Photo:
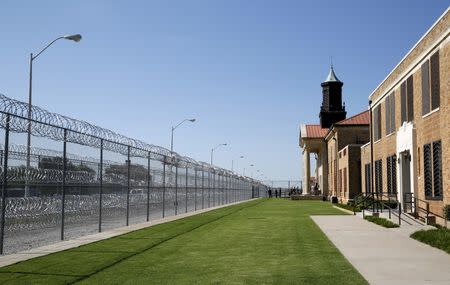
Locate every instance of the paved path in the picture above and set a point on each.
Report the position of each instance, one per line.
(67, 244)
(386, 256)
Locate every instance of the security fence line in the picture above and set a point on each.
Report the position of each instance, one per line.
(76, 193)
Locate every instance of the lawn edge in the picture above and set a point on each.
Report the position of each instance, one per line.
(11, 259)
(343, 210)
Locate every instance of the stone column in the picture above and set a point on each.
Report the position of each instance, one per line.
(307, 170)
(324, 161)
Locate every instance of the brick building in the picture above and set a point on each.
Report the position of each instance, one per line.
(334, 137)
(344, 140)
(411, 133)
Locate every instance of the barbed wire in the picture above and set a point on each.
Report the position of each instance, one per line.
(59, 127)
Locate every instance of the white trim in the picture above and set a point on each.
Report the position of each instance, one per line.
(364, 145)
(303, 131)
(445, 34)
(406, 141)
(430, 113)
(393, 132)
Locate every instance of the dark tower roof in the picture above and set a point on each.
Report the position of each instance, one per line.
(332, 109)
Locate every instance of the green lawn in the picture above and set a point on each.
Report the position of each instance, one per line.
(258, 242)
(381, 221)
(439, 238)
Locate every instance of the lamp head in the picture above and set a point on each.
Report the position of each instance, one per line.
(192, 120)
(75, 38)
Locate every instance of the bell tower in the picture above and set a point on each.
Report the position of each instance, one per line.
(332, 110)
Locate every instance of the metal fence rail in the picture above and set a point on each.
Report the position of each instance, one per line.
(66, 193)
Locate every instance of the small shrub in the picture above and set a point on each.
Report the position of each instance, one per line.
(439, 238)
(447, 212)
(381, 221)
(348, 207)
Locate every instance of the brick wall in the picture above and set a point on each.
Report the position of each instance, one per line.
(344, 135)
(428, 128)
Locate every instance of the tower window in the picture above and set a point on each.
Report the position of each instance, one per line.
(377, 123)
(367, 177)
(390, 113)
(391, 167)
(432, 170)
(378, 176)
(430, 84)
(407, 100)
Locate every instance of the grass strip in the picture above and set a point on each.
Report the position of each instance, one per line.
(347, 207)
(381, 221)
(439, 238)
(260, 242)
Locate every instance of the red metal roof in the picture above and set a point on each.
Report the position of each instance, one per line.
(315, 131)
(358, 119)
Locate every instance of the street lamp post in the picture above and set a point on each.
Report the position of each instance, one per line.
(232, 163)
(75, 38)
(214, 148)
(173, 129)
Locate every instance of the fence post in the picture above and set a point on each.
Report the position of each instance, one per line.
(217, 187)
(64, 184)
(195, 189)
(227, 187)
(214, 188)
(176, 190)
(237, 182)
(149, 184)
(100, 200)
(209, 188)
(186, 189)
(164, 188)
(128, 185)
(203, 188)
(5, 183)
(415, 206)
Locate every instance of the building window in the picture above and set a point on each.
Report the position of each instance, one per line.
(377, 123)
(432, 170)
(378, 176)
(391, 167)
(430, 84)
(407, 100)
(367, 177)
(389, 106)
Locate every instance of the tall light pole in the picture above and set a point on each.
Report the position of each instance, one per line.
(232, 162)
(214, 148)
(75, 38)
(173, 129)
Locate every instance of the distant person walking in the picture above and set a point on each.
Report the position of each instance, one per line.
(276, 193)
(270, 193)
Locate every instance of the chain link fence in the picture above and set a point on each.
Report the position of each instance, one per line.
(83, 179)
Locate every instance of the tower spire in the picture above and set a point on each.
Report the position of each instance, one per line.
(331, 75)
(332, 109)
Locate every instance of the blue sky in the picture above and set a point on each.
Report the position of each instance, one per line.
(248, 71)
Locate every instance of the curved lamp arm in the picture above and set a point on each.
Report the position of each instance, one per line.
(75, 38)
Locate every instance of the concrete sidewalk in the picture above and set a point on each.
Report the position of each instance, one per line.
(386, 256)
(67, 244)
